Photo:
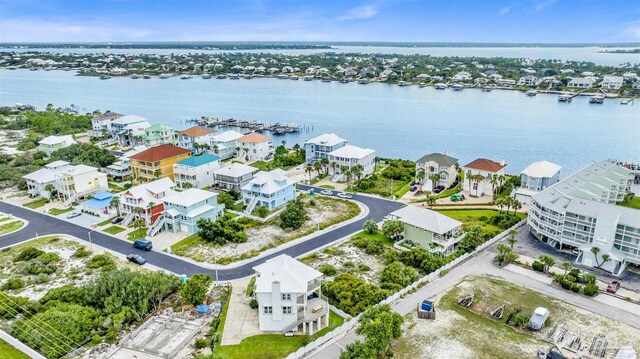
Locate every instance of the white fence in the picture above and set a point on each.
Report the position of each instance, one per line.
(20, 346)
(348, 326)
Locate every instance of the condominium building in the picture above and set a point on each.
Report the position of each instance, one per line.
(580, 212)
(157, 162)
(319, 147)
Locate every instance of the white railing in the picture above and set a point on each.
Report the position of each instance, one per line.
(349, 325)
(67, 202)
(156, 226)
(251, 205)
(128, 219)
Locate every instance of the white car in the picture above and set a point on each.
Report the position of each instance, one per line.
(73, 214)
(289, 333)
(344, 195)
(326, 192)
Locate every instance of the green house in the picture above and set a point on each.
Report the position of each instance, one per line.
(429, 229)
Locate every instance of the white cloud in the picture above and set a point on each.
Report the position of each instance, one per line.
(504, 10)
(360, 12)
(539, 5)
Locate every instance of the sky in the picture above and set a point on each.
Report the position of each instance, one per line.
(547, 21)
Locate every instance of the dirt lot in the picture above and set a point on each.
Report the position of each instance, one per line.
(460, 332)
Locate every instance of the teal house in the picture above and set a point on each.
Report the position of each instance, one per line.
(183, 210)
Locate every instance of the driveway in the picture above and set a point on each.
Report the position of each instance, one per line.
(242, 321)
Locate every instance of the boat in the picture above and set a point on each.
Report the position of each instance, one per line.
(234, 76)
(441, 86)
(457, 87)
(565, 98)
(206, 76)
(11, 68)
(146, 77)
(596, 99)
(344, 81)
(402, 83)
(282, 77)
(248, 77)
(134, 76)
(363, 81)
(486, 89)
(308, 78)
(165, 76)
(220, 77)
(105, 77)
(294, 77)
(531, 93)
(185, 77)
(326, 79)
(48, 68)
(67, 69)
(33, 69)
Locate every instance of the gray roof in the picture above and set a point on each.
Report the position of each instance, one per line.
(426, 219)
(439, 158)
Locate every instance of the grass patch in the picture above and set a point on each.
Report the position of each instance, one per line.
(10, 227)
(180, 247)
(473, 217)
(327, 186)
(115, 229)
(7, 351)
(272, 346)
(402, 191)
(37, 203)
(59, 211)
(106, 221)
(634, 203)
(378, 235)
(137, 234)
(115, 188)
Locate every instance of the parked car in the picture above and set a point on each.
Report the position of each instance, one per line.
(345, 195)
(73, 214)
(143, 244)
(456, 197)
(326, 192)
(288, 334)
(575, 251)
(438, 189)
(136, 258)
(117, 220)
(613, 286)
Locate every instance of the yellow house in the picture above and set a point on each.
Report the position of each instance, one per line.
(157, 162)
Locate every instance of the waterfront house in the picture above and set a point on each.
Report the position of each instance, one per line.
(581, 82)
(349, 156)
(483, 169)
(439, 164)
(529, 80)
(121, 169)
(195, 171)
(51, 144)
(505, 82)
(269, 189)
(157, 162)
(37, 181)
(132, 134)
(98, 205)
(158, 134)
(101, 124)
(233, 176)
(255, 147)
(535, 178)
(79, 181)
(630, 76)
(224, 144)
(195, 135)
(429, 229)
(581, 212)
(319, 147)
(289, 296)
(610, 82)
(144, 201)
(461, 76)
(120, 123)
(183, 210)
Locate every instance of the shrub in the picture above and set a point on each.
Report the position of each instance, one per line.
(28, 254)
(202, 343)
(590, 289)
(102, 261)
(48, 257)
(81, 252)
(520, 320)
(363, 267)
(576, 288)
(396, 276)
(312, 202)
(589, 279)
(221, 231)
(195, 290)
(352, 294)
(261, 211)
(328, 269)
(251, 286)
(370, 226)
(293, 216)
(13, 284)
(371, 246)
(253, 304)
(37, 267)
(537, 266)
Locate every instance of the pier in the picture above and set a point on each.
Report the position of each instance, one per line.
(626, 101)
(277, 128)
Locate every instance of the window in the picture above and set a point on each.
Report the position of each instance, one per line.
(267, 310)
(286, 310)
(286, 296)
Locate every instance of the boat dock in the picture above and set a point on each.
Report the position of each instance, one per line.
(278, 128)
(626, 101)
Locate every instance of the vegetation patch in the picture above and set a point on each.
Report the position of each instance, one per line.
(8, 227)
(37, 203)
(58, 211)
(7, 351)
(115, 229)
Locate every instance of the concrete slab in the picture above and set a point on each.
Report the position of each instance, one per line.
(242, 321)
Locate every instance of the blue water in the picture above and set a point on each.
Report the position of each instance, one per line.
(589, 54)
(396, 121)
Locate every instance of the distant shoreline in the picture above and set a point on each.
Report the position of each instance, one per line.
(621, 51)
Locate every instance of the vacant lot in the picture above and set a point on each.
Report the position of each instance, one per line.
(475, 217)
(472, 333)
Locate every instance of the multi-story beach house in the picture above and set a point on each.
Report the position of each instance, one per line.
(535, 178)
(319, 147)
(437, 164)
(233, 176)
(158, 134)
(51, 144)
(195, 135)
(145, 201)
(80, 181)
(269, 189)
(37, 181)
(183, 210)
(478, 174)
(195, 171)
(349, 156)
(429, 229)
(157, 162)
(255, 147)
(120, 123)
(224, 144)
(121, 169)
(461, 76)
(98, 205)
(610, 82)
(580, 212)
(528, 80)
(582, 82)
(101, 124)
(290, 297)
(132, 134)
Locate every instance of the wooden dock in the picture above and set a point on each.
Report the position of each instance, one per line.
(277, 128)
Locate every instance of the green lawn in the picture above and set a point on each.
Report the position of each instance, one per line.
(634, 203)
(403, 190)
(471, 217)
(137, 234)
(274, 346)
(7, 351)
(58, 211)
(106, 221)
(327, 186)
(36, 204)
(115, 230)
(10, 227)
(115, 188)
(377, 235)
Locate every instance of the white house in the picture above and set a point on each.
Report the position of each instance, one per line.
(195, 135)
(121, 169)
(224, 144)
(582, 82)
(461, 76)
(255, 147)
(101, 124)
(53, 143)
(351, 156)
(528, 81)
(629, 76)
(505, 82)
(535, 178)
(485, 169)
(289, 296)
(610, 82)
(132, 134)
(120, 123)
(440, 164)
(38, 180)
(147, 196)
(233, 176)
(319, 147)
(196, 171)
(270, 189)
(183, 210)
(80, 181)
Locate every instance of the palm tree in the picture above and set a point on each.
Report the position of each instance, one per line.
(430, 200)
(216, 149)
(115, 201)
(494, 183)
(246, 153)
(567, 267)
(547, 261)
(500, 202)
(508, 202)
(477, 178)
(51, 189)
(333, 166)
(237, 151)
(512, 240)
(349, 174)
(309, 170)
(434, 178)
(317, 167)
(196, 147)
(357, 170)
(296, 148)
(420, 175)
(344, 169)
(325, 163)
(516, 205)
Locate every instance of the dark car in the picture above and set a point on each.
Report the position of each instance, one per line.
(117, 220)
(438, 189)
(137, 259)
(613, 286)
(143, 244)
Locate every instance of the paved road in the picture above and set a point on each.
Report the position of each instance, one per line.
(43, 225)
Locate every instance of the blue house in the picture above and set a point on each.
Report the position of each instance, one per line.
(269, 189)
(319, 147)
(98, 205)
(183, 210)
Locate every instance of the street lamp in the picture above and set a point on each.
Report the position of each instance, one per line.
(90, 241)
